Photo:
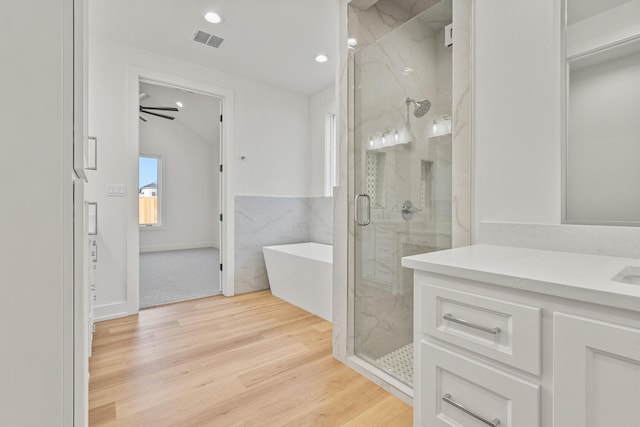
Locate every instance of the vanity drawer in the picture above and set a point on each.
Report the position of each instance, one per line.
(502, 330)
(461, 392)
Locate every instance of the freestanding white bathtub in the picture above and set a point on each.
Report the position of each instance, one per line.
(301, 274)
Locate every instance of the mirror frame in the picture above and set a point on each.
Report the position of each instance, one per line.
(565, 89)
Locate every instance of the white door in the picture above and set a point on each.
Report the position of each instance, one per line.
(596, 373)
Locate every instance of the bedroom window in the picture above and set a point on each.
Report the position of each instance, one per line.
(149, 191)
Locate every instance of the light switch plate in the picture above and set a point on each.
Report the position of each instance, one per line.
(116, 190)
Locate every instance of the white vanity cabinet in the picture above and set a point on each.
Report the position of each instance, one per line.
(456, 332)
(596, 368)
(514, 337)
(463, 391)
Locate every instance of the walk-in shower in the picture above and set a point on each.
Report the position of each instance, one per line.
(402, 191)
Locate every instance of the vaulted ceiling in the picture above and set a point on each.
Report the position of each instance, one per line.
(199, 112)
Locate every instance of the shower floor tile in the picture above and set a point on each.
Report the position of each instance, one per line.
(399, 363)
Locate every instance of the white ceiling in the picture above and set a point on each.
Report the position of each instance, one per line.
(200, 113)
(272, 41)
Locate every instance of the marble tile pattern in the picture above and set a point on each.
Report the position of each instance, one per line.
(266, 221)
(371, 23)
(321, 219)
(368, 26)
(583, 239)
(410, 62)
(461, 132)
(384, 321)
(342, 256)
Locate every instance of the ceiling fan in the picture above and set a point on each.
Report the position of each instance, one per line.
(150, 110)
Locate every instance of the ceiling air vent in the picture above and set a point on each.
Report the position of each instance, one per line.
(208, 39)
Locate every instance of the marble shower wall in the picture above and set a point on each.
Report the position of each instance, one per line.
(369, 21)
(321, 222)
(370, 24)
(461, 125)
(342, 205)
(266, 221)
(410, 62)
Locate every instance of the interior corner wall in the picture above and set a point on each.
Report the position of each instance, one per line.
(321, 104)
(517, 112)
(189, 187)
(271, 129)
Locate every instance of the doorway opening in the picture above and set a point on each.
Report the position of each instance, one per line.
(179, 194)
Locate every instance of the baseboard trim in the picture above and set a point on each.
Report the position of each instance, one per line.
(110, 311)
(178, 247)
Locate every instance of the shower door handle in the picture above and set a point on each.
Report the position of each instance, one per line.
(356, 209)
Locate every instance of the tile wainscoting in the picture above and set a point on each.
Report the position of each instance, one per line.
(265, 221)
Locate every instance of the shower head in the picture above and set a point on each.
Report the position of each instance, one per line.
(421, 107)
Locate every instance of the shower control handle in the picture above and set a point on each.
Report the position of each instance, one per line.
(407, 210)
(356, 210)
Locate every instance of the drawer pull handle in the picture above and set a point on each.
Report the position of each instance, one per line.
(450, 318)
(493, 423)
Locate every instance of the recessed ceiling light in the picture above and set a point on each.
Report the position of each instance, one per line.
(352, 42)
(179, 104)
(213, 17)
(321, 57)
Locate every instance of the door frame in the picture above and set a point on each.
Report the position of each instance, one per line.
(226, 96)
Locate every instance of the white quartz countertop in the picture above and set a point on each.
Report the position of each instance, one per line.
(576, 276)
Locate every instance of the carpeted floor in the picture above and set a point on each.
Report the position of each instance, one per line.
(173, 276)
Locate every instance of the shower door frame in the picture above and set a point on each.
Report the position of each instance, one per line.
(365, 368)
(462, 123)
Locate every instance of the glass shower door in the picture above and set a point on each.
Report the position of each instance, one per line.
(402, 166)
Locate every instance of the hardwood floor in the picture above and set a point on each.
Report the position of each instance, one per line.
(250, 360)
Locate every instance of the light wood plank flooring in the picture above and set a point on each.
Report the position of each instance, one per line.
(250, 360)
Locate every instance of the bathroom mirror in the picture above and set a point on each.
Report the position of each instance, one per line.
(601, 168)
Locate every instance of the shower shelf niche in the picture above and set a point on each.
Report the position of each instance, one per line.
(389, 138)
(440, 126)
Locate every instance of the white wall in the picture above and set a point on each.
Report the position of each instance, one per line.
(321, 104)
(35, 225)
(271, 129)
(517, 112)
(518, 127)
(189, 189)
